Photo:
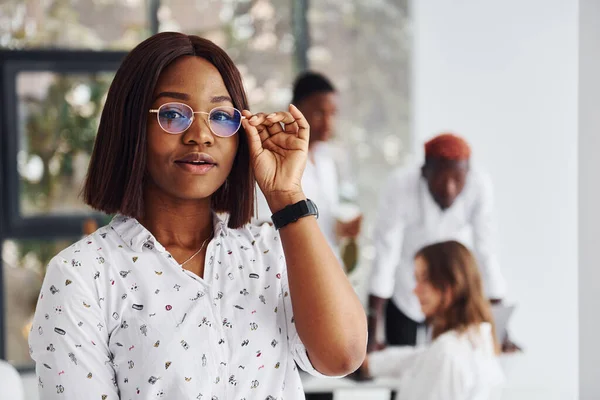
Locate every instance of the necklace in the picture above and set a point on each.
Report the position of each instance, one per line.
(195, 254)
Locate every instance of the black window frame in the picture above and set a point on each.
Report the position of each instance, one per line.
(15, 225)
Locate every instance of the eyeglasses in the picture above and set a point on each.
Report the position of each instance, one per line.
(176, 118)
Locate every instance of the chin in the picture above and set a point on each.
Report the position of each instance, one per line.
(188, 195)
(446, 203)
(195, 195)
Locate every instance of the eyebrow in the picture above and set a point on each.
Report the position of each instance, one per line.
(186, 97)
(221, 99)
(174, 95)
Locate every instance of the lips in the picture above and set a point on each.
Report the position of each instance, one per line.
(196, 159)
(196, 163)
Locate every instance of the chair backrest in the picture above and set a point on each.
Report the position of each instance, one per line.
(502, 314)
(10, 382)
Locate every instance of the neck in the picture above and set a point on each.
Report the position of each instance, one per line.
(312, 144)
(176, 222)
(311, 152)
(438, 323)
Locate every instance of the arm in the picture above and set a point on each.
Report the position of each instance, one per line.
(376, 323)
(328, 315)
(70, 351)
(387, 237)
(393, 362)
(483, 223)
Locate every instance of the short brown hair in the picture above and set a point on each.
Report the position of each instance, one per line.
(450, 265)
(117, 168)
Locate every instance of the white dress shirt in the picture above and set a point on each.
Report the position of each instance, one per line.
(119, 318)
(320, 184)
(456, 366)
(409, 219)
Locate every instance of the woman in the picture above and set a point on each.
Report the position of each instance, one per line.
(169, 300)
(461, 362)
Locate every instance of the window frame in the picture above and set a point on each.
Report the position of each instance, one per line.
(15, 225)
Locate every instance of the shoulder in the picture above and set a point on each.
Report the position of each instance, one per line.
(105, 240)
(262, 238)
(449, 351)
(448, 343)
(456, 347)
(86, 255)
(404, 179)
(480, 181)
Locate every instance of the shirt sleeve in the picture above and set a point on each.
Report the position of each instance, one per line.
(387, 236)
(483, 222)
(393, 361)
(69, 339)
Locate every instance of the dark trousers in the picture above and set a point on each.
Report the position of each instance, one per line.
(400, 330)
(319, 396)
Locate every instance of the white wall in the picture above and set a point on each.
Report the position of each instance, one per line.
(504, 75)
(589, 199)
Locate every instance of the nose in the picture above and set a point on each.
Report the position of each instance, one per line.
(451, 188)
(199, 132)
(328, 123)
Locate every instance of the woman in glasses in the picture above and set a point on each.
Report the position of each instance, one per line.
(461, 362)
(179, 297)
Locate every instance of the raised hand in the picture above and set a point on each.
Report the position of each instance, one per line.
(278, 145)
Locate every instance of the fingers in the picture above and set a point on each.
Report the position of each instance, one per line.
(350, 228)
(285, 118)
(253, 137)
(303, 127)
(293, 122)
(258, 121)
(265, 126)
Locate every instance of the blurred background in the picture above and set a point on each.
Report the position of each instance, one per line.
(505, 75)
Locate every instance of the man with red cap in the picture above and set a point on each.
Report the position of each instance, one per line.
(445, 199)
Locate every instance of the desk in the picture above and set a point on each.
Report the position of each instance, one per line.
(382, 389)
(347, 389)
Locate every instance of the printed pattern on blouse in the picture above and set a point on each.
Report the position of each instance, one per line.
(119, 318)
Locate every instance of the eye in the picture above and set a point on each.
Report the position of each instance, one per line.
(221, 116)
(171, 114)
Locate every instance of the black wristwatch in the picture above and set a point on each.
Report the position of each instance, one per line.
(294, 212)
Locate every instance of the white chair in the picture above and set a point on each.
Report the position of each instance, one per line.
(10, 382)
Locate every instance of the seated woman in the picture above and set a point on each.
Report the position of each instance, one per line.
(461, 362)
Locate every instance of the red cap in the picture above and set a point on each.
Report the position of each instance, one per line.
(448, 146)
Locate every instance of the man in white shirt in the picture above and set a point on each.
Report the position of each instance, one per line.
(316, 97)
(445, 199)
